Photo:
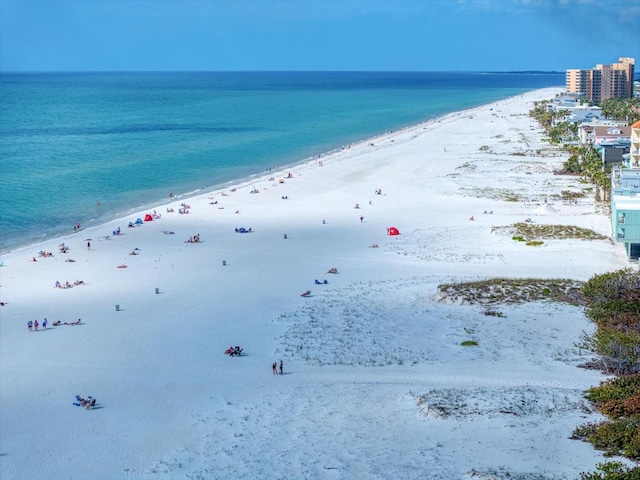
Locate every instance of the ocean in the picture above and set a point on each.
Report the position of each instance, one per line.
(89, 147)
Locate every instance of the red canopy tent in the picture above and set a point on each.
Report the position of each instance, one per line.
(148, 217)
(393, 231)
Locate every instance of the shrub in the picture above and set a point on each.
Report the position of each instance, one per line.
(620, 285)
(617, 397)
(614, 389)
(570, 195)
(469, 343)
(619, 351)
(613, 303)
(621, 408)
(613, 471)
(617, 437)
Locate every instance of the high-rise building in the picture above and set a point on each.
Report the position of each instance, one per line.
(603, 81)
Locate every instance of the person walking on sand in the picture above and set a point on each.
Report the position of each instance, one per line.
(88, 245)
(30, 325)
(35, 325)
(44, 324)
(361, 218)
(274, 367)
(281, 368)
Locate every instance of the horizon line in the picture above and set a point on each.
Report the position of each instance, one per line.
(2, 72)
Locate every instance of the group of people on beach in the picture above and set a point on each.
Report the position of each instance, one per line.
(274, 368)
(87, 403)
(233, 351)
(34, 325)
(68, 285)
(194, 239)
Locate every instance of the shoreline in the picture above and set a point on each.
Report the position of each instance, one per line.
(59, 234)
(376, 383)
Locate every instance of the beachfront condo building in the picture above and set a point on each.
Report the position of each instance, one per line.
(603, 81)
(634, 151)
(625, 198)
(625, 210)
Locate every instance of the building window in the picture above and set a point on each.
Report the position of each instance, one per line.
(621, 233)
(621, 218)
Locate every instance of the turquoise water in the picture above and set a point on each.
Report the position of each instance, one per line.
(127, 139)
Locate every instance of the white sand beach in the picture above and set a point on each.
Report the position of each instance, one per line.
(376, 384)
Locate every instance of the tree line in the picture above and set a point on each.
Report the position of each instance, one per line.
(584, 160)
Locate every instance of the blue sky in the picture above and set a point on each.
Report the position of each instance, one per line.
(402, 35)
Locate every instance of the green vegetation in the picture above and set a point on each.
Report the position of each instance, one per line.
(617, 397)
(469, 343)
(512, 290)
(621, 109)
(532, 234)
(613, 471)
(569, 195)
(613, 303)
(535, 231)
(616, 437)
(545, 117)
(534, 243)
(494, 193)
(584, 160)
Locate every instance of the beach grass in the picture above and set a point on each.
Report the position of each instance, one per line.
(535, 231)
(511, 291)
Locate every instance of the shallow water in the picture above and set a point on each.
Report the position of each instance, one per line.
(88, 147)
